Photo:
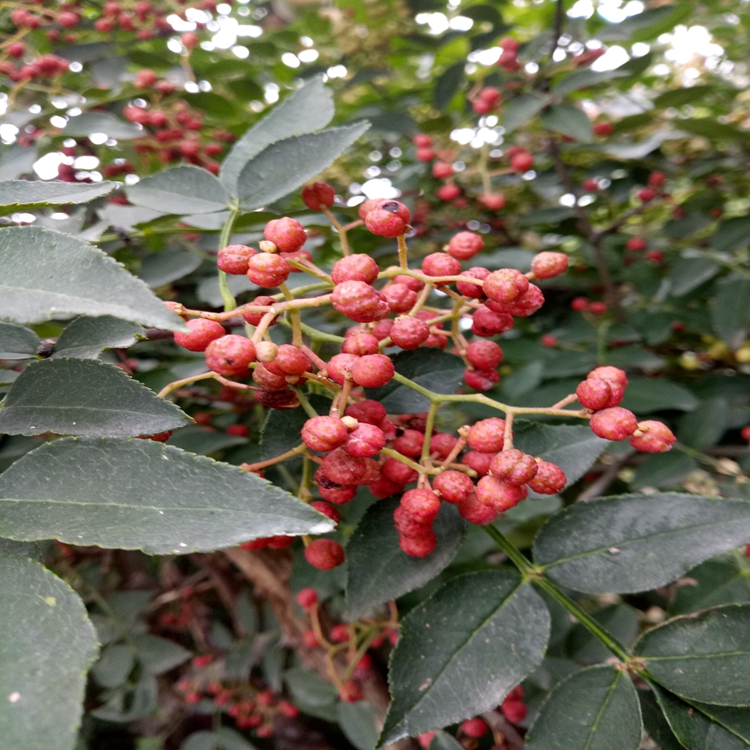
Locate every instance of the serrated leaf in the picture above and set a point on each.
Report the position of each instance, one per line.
(283, 121)
(432, 368)
(595, 709)
(100, 122)
(182, 190)
(447, 85)
(638, 542)
(644, 396)
(446, 668)
(568, 120)
(730, 313)
(84, 397)
(285, 165)
(703, 657)
(46, 645)
(24, 194)
(139, 494)
(158, 655)
(522, 108)
(44, 274)
(17, 342)
(87, 338)
(377, 569)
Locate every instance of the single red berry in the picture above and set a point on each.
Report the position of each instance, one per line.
(487, 435)
(365, 441)
(647, 194)
(318, 195)
(350, 692)
(281, 541)
(441, 170)
(449, 192)
(159, 437)
(268, 270)
(596, 393)
(367, 411)
(548, 265)
(590, 185)
(607, 372)
(359, 302)
(505, 285)
(614, 424)
(603, 128)
(440, 264)
(424, 154)
(475, 512)
(338, 495)
(469, 289)
(340, 367)
(67, 20)
(514, 711)
(579, 304)
(287, 234)
(549, 341)
(399, 472)
(498, 494)
(409, 333)
(384, 487)
(340, 634)
(636, 244)
(652, 437)
(326, 510)
(291, 360)
(400, 298)
(343, 468)
(745, 433)
(189, 40)
(324, 433)
(524, 305)
(418, 546)
(478, 461)
(307, 598)
(513, 466)
(202, 333)
(366, 206)
(267, 380)
(493, 201)
(409, 443)
(237, 430)
(358, 267)
(288, 709)
(360, 344)
(373, 370)
(481, 380)
(655, 256)
(549, 480)
(655, 179)
(309, 639)
(422, 140)
(389, 219)
(486, 323)
(234, 259)
(484, 355)
(475, 727)
(453, 486)
(324, 554)
(522, 162)
(421, 504)
(16, 49)
(230, 355)
(416, 285)
(598, 308)
(442, 444)
(465, 245)
(407, 525)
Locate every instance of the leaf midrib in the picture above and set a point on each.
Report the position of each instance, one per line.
(599, 714)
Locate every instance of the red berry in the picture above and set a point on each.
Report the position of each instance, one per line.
(514, 711)
(324, 554)
(478, 461)
(654, 437)
(453, 486)
(318, 195)
(16, 49)
(359, 302)
(655, 179)
(324, 433)
(203, 332)
(337, 495)
(655, 255)
(373, 370)
(267, 380)
(590, 185)
(384, 487)
(409, 333)
(549, 480)
(465, 245)
(614, 424)
(189, 40)
(548, 265)
(326, 510)
(366, 206)
(360, 344)
(409, 443)
(343, 468)
(340, 367)
(421, 140)
(425, 154)
(399, 472)
(291, 360)
(598, 308)
(367, 411)
(358, 267)
(388, 219)
(486, 323)
(636, 244)
(745, 433)
(340, 634)
(365, 441)
(647, 194)
(350, 692)
(268, 270)
(442, 444)
(484, 355)
(449, 192)
(607, 372)
(481, 380)
(230, 355)
(440, 264)
(237, 430)
(255, 317)
(441, 170)
(596, 393)
(287, 234)
(475, 727)
(475, 512)
(400, 298)
(498, 494)
(603, 128)
(421, 504)
(145, 78)
(418, 546)
(549, 341)
(67, 20)
(522, 162)
(505, 285)
(234, 259)
(513, 466)
(494, 201)
(467, 288)
(306, 598)
(407, 525)
(579, 304)
(487, 435)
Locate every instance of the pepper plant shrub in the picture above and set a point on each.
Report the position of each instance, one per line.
(452, 458)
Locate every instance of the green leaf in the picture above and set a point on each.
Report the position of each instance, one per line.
(553, 215)
(647, 395)
(84, 397)
(431, 368)
(638, 542)
(139, 494)
(583, 79)
(99, 122)
(16, 160)
(17, 342)
(699, 726)
(662, 19)
(86, 338)
(521, 109)
(730, 313)
(23, 194)
(309, 689)
(709, 128)
(203, 440)
(305, 111)
(182, 190)
(655, 722)
(358, 722)
(46, 645)
(169, 265)
(281, 430)
(159, 655)
(285, 165)
(445, 741)
(711, 584)
(680, 97)
(663, 470)
(703, 657)
(568, 120)
(127, 705)
(689, 273)
(705, 426)
(44, 274)
(639, 149)
(114, 665)
(377, 569)
(446, 668)
(595, 709)
(731, 235)
(621, 620)
(448, 84)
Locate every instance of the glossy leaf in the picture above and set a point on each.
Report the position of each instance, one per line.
(285, 165)
(139, 494)
(86, 338)
(84, 397)
(182, 190)
(377, 569)
(595, 709)
(26, 195)
(45, 274)
(730, 313)
(447, 668)
(17, 342)
(283, 121)
(46, 645)
(568, 120)
(703, 657)
(638, 542)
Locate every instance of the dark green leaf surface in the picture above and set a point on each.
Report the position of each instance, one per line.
(732, 234)
(17, 342)
(644, 396)
(84, 397)
(520, 109)
(281, 430)
(711, 584)
(655, 723)
(568, 120)
(448, 84)
(45, 274)
(46, 645)
(139, 494)
(583, 79)
(595, 709)
(114, 665)
(359, 723)
(703, 657)
(705, 426)
(730, 313)
(445, 741)
(462, 650)
(158, 655)
(621, 620)
(18, 194)
(284, 121)
(86, 338)
(689, 273)
(638, 542)
(285, 165)
(377, 569)
(170, 264)
(182, 190)
(100, 122)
